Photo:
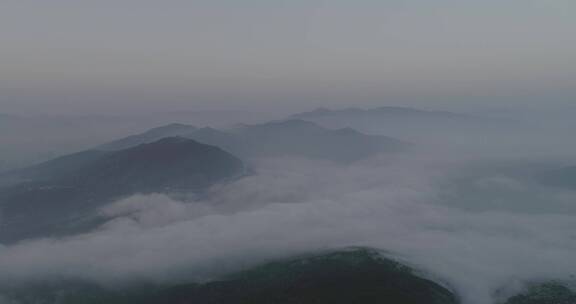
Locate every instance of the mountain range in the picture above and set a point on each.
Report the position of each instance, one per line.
(61, 196)
(380, 112)
(278, 138)
(414, 125)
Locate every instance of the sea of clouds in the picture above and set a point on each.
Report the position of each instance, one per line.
(482, 234)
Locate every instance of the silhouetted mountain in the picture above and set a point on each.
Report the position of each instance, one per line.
(7, 117)
(56, 193)
(284, 138)
(414, 125)
(58, 167)
(348, 276)
(379, 113)
(545, 293)
(302, 138)
(149, 136)
(564, 177)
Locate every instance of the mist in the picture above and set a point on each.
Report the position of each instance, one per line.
(543, 131)
(182, 142)
(481, 235)
(35, 137)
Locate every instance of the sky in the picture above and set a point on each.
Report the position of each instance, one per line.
(124, 56)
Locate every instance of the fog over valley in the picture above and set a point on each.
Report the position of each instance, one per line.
(181, 204)
(287, 152)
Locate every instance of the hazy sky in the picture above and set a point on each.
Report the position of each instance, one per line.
(109, 56)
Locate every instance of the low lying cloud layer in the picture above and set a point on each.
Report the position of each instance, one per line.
(413, 207)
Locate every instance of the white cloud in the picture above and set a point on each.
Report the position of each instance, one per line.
(295, 206)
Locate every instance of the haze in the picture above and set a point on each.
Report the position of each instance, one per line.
(130, 56)
(399, 151)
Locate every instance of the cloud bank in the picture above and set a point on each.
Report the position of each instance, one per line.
(398, 204)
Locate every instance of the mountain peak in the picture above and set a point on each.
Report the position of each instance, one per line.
(288, 124)
(171, 129)
(384, 110)
(347, 131)
(64, 190)
(173, 140)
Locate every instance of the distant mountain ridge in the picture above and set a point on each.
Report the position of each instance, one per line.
(293, 137)
(426, 127)
(4, 116)
(151, 135)
(379, 112)
(169, 159)
(564, 177)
